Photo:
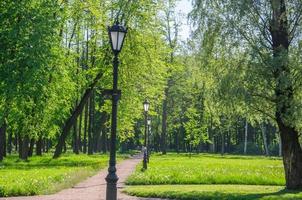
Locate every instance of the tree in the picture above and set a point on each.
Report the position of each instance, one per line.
(268, 34)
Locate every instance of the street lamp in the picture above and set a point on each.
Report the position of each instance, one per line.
(146, 109)
(117, 35)
(146, 105)
(148, 139)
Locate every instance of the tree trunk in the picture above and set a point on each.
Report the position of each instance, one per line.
(229, 140)
(95, 136)
(102, 132)
(213, 146)
(222, 143)
(211, 136)
(39, 147)
(164, 126)
(25, 148)
(85, 127)
(104, 141)
(2, 140)
(45, 146)
(75, 138)
(9, 142)
(176, 140)
(20, 142)
(292, 156)
(284, 92)
(99, 142)
(90, 125)
(280, 144)
(264, 137)
(31, 148)
(76, 112)
(245, 136)
(16, 140)
(80, 133)
(4, 146)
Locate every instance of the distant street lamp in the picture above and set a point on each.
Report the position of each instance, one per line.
(117, 35)
(146, 109)
(148, 139)
(149, 122)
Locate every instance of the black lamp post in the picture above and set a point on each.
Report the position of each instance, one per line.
(146, 108)
(148, 139)
(117, 35)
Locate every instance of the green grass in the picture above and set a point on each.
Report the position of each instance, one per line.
(214, 192)
(209, 169)
(207, 176)
(44, 175)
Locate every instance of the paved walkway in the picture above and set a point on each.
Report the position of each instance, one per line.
(94, 188)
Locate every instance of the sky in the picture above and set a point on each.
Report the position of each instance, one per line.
(184, 6)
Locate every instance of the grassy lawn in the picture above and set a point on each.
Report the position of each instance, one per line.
(207, 176)
(214, 192)
(43, 175)
(210, 169)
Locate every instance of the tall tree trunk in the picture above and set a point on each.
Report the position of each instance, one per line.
(211, 136)
(284, 92)
(65, 147)
(45, 148)
(176, 140)
(39, 146)
(264, 137)
(85, 128)
(80, 133)
(31, 148)
(280, 144)
(75, 138)
(2, 140)
(77, 111)
(222, 143)
(238, 138)
(229, 140)
(90, 125)
(16, 141)
(99, 142)
(79, 108)
(96, 136)
(5, 145)
(104, 141)
(20, 142)
(102, 131)
(164, 126)
(213, 146)
(9, 142)
(25, 148)
(245, 136)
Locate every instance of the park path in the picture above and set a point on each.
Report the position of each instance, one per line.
(93, 188)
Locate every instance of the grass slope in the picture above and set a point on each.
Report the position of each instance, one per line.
(214, 192)
(44, 175)
(209, 169)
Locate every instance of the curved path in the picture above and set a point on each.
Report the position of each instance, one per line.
(94, 188)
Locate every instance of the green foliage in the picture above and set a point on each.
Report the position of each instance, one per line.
(209, 169)
(214, 192)
(36, 84)
(52, 50)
